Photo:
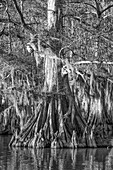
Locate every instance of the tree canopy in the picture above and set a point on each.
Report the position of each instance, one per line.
(87, 28)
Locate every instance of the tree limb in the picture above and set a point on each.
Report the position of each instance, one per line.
(31, 30)
(85, 3)
(98, 8)
(110, 6)
(93, 62)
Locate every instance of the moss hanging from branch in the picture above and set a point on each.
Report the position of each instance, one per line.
(68, 114)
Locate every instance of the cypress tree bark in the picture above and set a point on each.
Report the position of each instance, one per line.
(65, 116)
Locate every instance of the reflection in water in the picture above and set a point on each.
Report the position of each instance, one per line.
(57, 159)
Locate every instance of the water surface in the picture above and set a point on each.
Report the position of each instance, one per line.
(51, 159)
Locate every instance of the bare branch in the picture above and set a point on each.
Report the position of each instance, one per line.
(93, 62)
(98, 8)
(31, 30)
(19, 11)
(72, 15)
(85, 3)
(110, 6)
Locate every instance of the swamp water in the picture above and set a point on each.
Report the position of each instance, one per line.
(51, 159)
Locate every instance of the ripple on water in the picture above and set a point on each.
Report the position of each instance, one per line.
(54, 159)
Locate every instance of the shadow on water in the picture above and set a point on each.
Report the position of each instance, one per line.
(57, 159)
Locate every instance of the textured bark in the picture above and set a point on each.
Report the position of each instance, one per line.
(68, 116)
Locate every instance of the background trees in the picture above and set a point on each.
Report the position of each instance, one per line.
(87, 27)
